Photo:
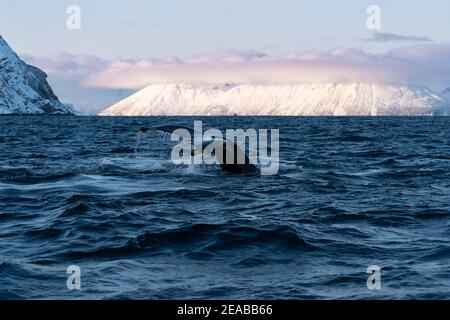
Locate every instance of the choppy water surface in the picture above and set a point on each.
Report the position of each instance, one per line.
(350, 193)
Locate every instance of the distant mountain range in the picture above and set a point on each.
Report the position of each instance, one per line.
(359, 99)
(446, 93)
(24, 89)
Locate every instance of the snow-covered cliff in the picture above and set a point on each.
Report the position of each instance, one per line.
(286, 100)
(24, 89)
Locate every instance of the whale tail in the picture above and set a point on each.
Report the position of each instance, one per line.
(227, 156)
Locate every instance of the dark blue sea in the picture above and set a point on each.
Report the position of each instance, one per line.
(350, 193)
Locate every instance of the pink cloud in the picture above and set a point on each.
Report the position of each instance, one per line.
(66, 63)
(426, 64)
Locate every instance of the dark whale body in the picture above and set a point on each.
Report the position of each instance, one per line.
(228, 148)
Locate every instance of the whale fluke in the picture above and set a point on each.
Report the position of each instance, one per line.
(222, 155)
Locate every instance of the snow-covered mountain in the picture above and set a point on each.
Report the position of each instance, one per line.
(285, 100)
(89, 101)
(24, 89)
(446, 94)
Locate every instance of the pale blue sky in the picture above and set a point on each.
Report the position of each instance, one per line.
(151, 28)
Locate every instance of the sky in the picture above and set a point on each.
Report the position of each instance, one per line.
(125, 45)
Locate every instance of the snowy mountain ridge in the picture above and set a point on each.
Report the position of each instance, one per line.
(446, 93)
(24, 89)
(358, 99)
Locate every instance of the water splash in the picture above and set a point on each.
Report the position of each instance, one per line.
(140, 138)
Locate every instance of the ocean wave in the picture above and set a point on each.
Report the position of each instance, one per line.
(349, 194)
(27, 176)
(203, 240)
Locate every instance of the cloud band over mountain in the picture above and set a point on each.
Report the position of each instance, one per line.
(426, 64)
